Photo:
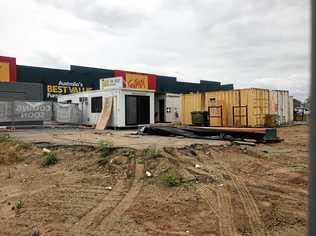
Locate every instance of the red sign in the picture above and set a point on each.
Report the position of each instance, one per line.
(136, 80)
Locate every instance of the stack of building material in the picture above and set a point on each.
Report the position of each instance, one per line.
(258, 134)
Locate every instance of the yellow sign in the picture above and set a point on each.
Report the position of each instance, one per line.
(115, 82)
(136, 81)
(4, 72)
(62, 88)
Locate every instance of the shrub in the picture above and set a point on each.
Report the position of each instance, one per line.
(104, 148)
(19, 204)
(169, 178)
(50, 159)
(152, 152)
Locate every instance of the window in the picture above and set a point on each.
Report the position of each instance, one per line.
(68, 101)
(96, 105)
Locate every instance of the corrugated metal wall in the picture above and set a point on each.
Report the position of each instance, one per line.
(21, 91)
(240, 108)
(190, 102)
(257, 102)
(225, 99)
(291, 109)
(279, 105)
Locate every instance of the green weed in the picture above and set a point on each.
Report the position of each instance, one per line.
(4, 138)
(104, 148)
(169, 178)
(50, 159)
(23, 146)
(152, 152)
(19, 204)
(131, 155)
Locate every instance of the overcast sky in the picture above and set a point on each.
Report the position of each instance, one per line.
(245, 42)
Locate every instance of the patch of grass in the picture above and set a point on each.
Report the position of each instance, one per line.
(4, 138)
(140, 161)
(170, 178)
(131, 154)
(50, 159)
(104, 148)
(23, 146)
(152, 152)
(19, 204)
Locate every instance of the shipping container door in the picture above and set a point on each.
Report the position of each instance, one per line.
(131, 110)
(137, 110)
(162, 110)
(143, 109)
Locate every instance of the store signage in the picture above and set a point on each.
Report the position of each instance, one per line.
(136, 81)
(32, 111)
(115, 82)
(63, 88)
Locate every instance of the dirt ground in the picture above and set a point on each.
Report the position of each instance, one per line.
(121, 138)
(194, 188)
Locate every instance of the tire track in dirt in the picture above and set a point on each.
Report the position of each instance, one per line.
(19, 193)
(155, 232)
(62, 206)
(109, 221)
(250, 207)
(222, 210)
(226, 223)
(94, 216)
(206, 194)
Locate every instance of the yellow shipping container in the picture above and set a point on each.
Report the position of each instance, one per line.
(233, 108)
(191, 102)
(220, 104)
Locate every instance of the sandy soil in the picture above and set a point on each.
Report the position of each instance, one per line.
(221, 190)
(122, 138)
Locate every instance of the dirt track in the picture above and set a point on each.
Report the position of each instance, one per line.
(258, 190)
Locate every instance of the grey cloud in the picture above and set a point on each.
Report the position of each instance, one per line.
(245, 42)
(99, 12)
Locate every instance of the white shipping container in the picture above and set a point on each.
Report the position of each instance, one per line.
(279, 105)
(173, 107)
(168, 107)
(291, 109)
(119, 115)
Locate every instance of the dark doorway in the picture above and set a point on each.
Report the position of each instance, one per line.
(137, 110)
(162, 110)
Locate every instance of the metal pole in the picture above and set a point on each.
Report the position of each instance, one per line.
(247, 115)
(233, 116)
(312, 182)
(222, 115)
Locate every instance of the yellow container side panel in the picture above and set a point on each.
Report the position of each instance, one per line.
(189, 103)
(257, 102)
(225, 99)
(233, 108)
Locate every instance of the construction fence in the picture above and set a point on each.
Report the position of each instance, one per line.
(15, 112)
